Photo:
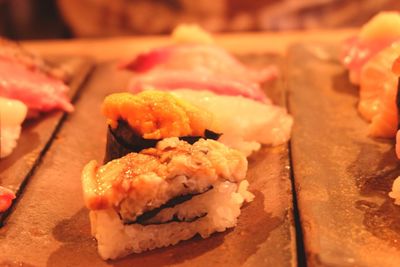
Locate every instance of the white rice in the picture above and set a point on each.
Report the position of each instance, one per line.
(8, 139)
(221, 205)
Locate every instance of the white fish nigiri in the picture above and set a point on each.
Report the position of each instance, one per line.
(12, 114)
(245, 123)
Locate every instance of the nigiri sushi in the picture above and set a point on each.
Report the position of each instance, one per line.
(380, 32)
(29, 79)
(163, 195)
(12, 114)
(140, 121)
(245, 124)
(378, 90)
(197, 57)
(6, 198)
(197, 80)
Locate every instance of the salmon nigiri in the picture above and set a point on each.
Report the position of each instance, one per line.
(378, 92)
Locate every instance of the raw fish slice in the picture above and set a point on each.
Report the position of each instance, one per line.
(204, 57)
(376, 78)
(377, 34)
(12, 114)
(12, 51)
(6, 197)
(243, 122)
(196, 80)
(357, 53)
(36, 89)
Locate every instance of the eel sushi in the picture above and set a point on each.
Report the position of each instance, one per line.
(140, 121)
(12, 114)
(162, 195)
(29, 79)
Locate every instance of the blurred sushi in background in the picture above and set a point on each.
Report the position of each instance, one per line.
(373, 61)
(29, 86)
(30, 79)
(369, 58)
(12, 114)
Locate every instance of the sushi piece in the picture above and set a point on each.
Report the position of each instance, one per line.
(376, 78)
(378, 90)
(197, 80)
(380, 32)
(197, 57)
(29, 79)
(163, 195)
(245, 123)
(6, 198)
(140, 121)
(12, 114)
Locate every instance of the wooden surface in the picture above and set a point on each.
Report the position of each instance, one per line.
(36, 136)
(50, 225)
(342, 177)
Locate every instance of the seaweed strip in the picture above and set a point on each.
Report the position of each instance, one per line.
(169, 204)
(176, 219)
(124, 140)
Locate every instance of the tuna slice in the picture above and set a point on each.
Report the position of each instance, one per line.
(31, 86)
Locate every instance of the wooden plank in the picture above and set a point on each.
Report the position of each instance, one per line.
(51, 225)
(342, 177)
(36, 135)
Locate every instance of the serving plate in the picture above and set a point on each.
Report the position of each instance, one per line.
(50, 225)
(342, 176)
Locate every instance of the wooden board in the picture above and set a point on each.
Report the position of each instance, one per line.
(36, 136)
(50, 226)
(342, 177)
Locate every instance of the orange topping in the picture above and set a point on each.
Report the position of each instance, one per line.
(156, 114)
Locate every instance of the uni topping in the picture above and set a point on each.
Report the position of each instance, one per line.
(156, 115)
